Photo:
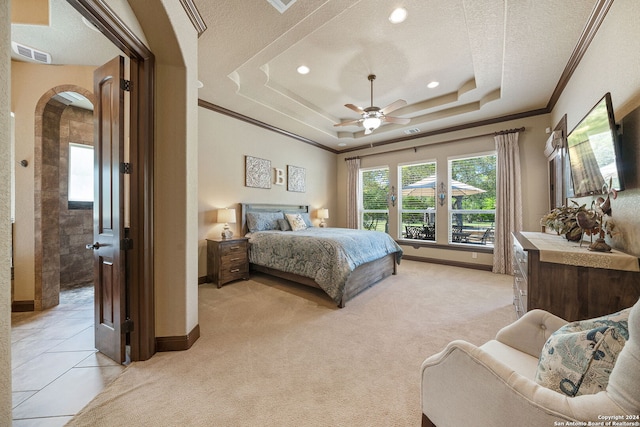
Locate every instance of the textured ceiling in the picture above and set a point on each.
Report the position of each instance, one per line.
(493, 58)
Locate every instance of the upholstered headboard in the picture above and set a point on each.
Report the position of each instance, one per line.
(265, 207)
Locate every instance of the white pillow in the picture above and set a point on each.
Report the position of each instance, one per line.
(296, 222)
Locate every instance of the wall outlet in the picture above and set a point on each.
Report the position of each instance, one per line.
(474, 255)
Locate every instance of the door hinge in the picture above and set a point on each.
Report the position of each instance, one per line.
(125, 168)
(126, 85)
(127, 326)
(126, 244)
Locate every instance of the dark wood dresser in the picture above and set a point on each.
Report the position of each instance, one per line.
(570, 281)
(227, 260)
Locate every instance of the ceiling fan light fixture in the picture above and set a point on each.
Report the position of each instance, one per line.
(398, 15)
(371, 123)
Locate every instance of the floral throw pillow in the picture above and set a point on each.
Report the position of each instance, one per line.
(578, 358)
(296, 222)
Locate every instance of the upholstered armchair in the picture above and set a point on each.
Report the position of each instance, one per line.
(495, 384)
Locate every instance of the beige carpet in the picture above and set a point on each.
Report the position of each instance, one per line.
(274, 353)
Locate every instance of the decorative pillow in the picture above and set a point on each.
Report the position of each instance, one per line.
(578, 358)
(296, 222)
(305, 216)
(284, 225)
(259, 221)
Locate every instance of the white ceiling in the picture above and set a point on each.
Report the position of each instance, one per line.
(493, 58)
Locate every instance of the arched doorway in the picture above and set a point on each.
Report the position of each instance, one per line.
(47, 197)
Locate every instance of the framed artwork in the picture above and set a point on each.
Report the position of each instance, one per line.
(296, 179)
(257, 172)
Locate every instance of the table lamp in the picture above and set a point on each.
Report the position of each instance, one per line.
(228, 216)
(323, 214)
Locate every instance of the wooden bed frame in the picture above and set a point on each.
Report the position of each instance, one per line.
(363, 277)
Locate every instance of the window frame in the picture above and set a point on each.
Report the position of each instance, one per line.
(401, 210)
(451, 211)
(73, 204)
(361, 209)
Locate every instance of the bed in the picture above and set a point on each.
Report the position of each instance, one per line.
(342, 262)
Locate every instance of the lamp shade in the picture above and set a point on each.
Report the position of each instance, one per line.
(227, 215)
(371, 123)
(323, 213)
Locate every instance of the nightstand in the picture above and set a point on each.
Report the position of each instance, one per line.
(227, 260)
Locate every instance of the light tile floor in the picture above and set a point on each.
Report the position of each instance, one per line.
(56, 369)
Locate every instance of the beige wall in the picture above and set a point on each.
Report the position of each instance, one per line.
(5, 215)
(442, 147)
(174, 42)
(223, 143)
(611, 64)
(29, 82)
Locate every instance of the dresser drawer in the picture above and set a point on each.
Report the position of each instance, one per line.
(234, 257)
(234, 272)
(520, 264)
(520, 290)
(520, 260)
(233, 248)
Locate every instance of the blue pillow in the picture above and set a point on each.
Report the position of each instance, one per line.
(260, 221)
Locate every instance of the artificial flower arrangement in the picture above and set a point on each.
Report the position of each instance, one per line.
(575, 220)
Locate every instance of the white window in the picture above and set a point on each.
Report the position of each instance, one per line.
(418, 201)
(374, 191)
(472, 200)
(80, 191)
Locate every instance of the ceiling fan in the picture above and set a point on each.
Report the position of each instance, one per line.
(373, 117)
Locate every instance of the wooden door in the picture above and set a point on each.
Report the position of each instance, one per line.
(108, 210)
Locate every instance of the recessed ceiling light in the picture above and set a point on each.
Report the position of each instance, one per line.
(342, 144)
(398, 15)
(303, 69)
(433, 85)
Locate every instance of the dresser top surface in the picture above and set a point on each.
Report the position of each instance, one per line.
(557, 249)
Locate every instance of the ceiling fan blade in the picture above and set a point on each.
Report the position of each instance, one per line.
(396, 120)
(354, 108)
(393, 106)
(349, 123)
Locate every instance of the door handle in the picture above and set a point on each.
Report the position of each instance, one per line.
(94, 247)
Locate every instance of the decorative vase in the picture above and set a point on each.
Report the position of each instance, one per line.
(600, 246)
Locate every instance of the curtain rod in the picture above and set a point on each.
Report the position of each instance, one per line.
(415, 148)
(504, 132)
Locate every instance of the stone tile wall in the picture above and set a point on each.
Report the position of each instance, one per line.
(47, 191)
(76, 225)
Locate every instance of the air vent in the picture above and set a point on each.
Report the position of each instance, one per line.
(412, 131)
(31, 53)
(281, 5)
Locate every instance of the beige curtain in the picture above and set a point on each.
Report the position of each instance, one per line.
(508, 200)
(353, 178)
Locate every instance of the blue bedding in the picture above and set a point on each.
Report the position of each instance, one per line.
(326, 255)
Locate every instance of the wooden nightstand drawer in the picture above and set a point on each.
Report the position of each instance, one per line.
(234, 272)
(230, 248)
(227, 260)
(234, 258)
